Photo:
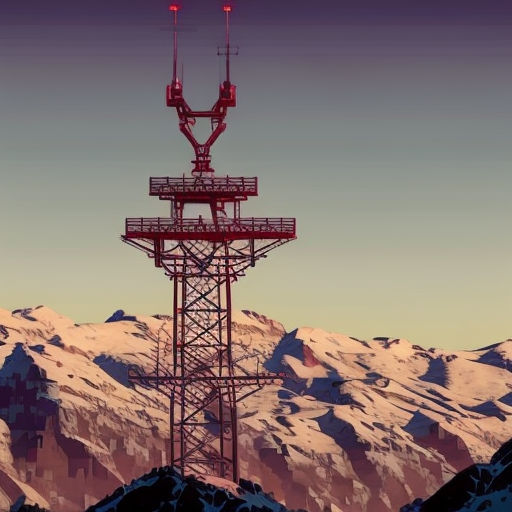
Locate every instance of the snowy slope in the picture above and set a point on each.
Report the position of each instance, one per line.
(358, 426)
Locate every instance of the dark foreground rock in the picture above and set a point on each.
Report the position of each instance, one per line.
(164, 490)
(20, 506)
(478, 488)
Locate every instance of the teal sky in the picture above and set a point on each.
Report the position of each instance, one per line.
(388, 136)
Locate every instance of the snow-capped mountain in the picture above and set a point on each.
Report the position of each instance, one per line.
(358, 426)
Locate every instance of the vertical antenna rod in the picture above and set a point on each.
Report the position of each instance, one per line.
(174, 8)
(227, 10)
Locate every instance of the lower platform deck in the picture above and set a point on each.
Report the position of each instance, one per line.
(165, 228)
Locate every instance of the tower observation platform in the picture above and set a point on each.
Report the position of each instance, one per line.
(194, 365)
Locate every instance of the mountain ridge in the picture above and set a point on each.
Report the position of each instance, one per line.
(369, 424)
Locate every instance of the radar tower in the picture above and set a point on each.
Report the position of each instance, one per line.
(203, 257)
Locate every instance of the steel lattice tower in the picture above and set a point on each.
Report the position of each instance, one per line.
(203, 257)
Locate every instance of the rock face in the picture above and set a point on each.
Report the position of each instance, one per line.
(76, 432)
(21, 506)
(480, 487)
(359, 426)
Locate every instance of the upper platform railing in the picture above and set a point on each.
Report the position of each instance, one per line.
(221, 186)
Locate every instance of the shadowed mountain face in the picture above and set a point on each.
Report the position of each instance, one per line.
(478, 488)
(358, 426)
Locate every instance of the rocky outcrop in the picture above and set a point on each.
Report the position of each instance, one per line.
(164, 490)
(478, 488)
(21, 505)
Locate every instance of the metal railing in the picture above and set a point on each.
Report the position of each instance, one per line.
(183, 185)
(249, 224)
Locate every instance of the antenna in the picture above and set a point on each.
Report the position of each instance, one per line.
(227, 10)
(216, 114)
(174, 8)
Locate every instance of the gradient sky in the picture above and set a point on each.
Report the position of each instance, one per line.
(383, 126)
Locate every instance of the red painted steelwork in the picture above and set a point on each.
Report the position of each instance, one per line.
(187, 189)
(194, 364)
(162, 228)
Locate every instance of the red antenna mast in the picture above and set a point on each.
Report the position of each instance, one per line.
(203, 257)
(187, 116)
(174, 8)
(227, 10)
